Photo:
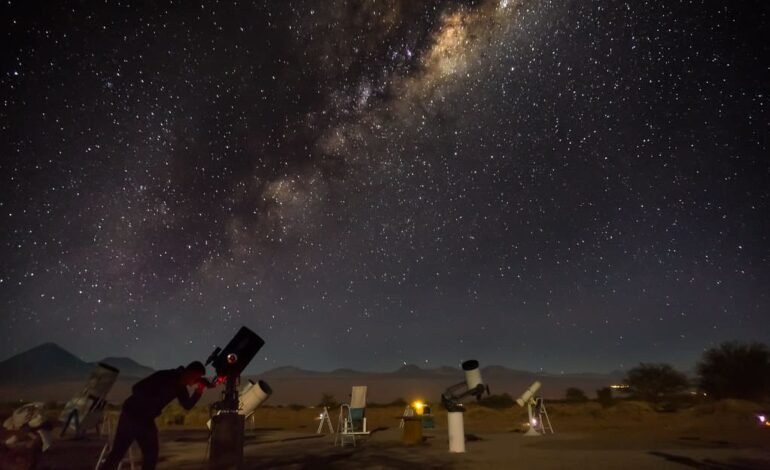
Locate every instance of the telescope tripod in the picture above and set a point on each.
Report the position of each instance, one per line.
(109, 425)
(539, 422)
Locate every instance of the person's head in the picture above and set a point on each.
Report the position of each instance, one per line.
(193, 373)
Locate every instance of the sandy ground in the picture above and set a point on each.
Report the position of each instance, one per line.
(627, 436)
(291, 450)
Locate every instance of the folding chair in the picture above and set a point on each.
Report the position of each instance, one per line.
(352, 417)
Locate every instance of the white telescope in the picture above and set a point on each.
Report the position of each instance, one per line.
(539, 422)
(472, 374)
(251, 396)
(246, 387)
(528, 394)
(451, 398)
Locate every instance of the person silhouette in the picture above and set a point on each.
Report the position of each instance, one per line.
(148, 398)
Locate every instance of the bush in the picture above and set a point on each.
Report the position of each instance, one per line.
(295, 407)
(735, 370)
(655, 382)
(497, 401)
(604, 397)
(575, 395)
(327, 399)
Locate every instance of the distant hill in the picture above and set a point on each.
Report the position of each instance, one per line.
(410, 370)
(50, 363)
(127, 366)
(343, 371)
(500, 371)
(288, 371)
(49, 372)
(409, 382)
(447, 370)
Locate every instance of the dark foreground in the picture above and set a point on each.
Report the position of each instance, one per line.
(266, 448)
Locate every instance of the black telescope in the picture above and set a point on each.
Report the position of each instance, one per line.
(238, 353)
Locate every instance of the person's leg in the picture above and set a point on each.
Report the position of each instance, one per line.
(124, 436)
(147, 439)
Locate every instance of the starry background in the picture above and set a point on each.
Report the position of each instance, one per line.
(558, 185)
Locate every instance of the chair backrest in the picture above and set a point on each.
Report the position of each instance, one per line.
(358, 396)
(357, 414)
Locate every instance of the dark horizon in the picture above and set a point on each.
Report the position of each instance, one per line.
(562, 186)
(253, 370)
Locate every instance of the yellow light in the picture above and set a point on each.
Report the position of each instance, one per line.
(418, 407)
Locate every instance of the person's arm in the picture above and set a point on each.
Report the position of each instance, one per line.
(185, 399)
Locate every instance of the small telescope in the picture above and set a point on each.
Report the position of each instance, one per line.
(526, 397)
(539, 422)
(473, 386)
(227, 426)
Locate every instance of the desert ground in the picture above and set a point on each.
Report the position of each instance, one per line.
(627, 435)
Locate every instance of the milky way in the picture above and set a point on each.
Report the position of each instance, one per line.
(559, 185)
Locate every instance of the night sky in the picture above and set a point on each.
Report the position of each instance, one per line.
(563, 185)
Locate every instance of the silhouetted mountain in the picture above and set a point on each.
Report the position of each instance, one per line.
(48, 362)
(446, 370)
(347, 372)
(618, 375)
(495, 371)
(410, 370)
(48, 372)
(287, 371)
(127, 366)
